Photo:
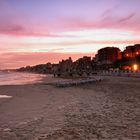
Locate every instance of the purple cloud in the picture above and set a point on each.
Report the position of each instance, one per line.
(127, 18)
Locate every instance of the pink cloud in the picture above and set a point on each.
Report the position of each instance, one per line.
(108, 20)
(88, 42)
(19, 30)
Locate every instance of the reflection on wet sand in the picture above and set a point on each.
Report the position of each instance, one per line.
(5, 96)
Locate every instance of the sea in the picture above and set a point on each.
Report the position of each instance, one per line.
(19, 78)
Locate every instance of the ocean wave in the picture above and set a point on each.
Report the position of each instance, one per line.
(16, 78)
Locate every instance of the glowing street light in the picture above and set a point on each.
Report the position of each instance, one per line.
(135, 67)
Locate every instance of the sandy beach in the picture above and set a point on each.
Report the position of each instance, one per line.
(106, 110)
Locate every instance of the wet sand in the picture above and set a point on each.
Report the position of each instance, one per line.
(106, 110)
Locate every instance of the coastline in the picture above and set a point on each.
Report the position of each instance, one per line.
(109, 109)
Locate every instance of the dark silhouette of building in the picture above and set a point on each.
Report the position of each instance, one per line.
(131, 51)
(108, 55)
(83, 63)
(106, 58)
(64, 67)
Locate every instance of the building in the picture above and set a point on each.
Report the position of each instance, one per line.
(108, 55)
(132, 51)
(84, 63)
(63, 68)
(69, 68)
(65, 65)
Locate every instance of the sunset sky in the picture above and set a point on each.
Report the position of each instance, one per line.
(38, 31)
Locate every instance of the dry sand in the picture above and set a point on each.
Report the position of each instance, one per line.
(106, 110)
